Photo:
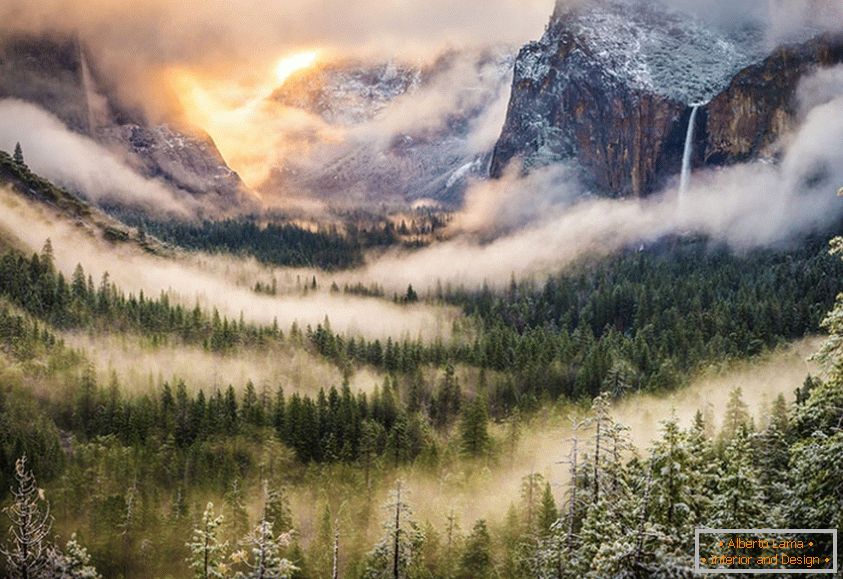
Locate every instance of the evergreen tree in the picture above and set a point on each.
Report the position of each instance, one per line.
(531, 486)
(207, 553)
(739, 503)
(18, 154)
(671, 479)
(773, 460)
(474, 432)
(238, 518)
(548, 513)
(262, 554)
(397, 553)
(476, 560)
(736, 416)
(278, 508)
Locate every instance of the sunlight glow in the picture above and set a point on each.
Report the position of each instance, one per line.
(289, 65)
(252, 130)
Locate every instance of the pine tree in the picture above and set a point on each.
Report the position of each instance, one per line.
(548, 513)
(278, 508)
(474, 433)
(773, 460)
(530, 488)
(411, 296)
(262, 554)
(671, 468)
(206, 552)
(736, 416)
(238, 518)
(18, 154)
(739, 503)
(476, 560)
(28, 546)
(396, 554)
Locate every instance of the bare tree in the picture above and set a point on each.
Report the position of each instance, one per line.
(27, 550)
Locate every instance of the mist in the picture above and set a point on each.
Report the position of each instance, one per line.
(141, 368)
(243, 40)
(188, 282)
(79, 164)
(545, 442)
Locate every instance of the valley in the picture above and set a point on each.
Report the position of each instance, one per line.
(414, 297)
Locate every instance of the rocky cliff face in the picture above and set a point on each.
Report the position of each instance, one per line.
(55, 75)
(611, 85)
(760, 104)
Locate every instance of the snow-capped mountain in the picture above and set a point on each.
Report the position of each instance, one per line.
(349, 93)
(408, 131)
(612, 82)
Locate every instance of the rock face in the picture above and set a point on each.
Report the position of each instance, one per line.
(611, 86)
(55, 75)
(760, 104)
(190, 161)
(48, 74)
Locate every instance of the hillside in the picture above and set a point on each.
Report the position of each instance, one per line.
(20, 181)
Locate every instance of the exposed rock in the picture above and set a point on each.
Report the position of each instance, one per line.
(348, 93)
(610, 85)
(759, 105)
(191, 162)
(47, 73)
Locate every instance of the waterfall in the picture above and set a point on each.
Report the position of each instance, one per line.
(688, 153)
(87, 87)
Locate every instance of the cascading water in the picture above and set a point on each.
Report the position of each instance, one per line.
(688, 153)
(87, 86)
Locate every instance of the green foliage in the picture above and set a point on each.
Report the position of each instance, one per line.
(281, 245)
(476, 560)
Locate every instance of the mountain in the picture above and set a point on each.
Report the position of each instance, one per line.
(55, 74)
(402, 132)
(62, 205)
(611, 84)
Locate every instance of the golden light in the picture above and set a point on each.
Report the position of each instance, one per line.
(289, 65)
(251, 130)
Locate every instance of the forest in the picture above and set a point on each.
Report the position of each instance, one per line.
(255, 480)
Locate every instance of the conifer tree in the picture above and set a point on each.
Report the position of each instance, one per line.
(238, 518)
(397, 553)
(474, 432)
(736, 417)
(548, 514)
(262, 553)
(18, 154)
(739, 503)
(671, 474)
(476, 560)
(207, 553)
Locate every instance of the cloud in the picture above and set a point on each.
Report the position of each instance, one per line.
(189, 281)
(244, 39)
(79, 164)
(537, 224)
